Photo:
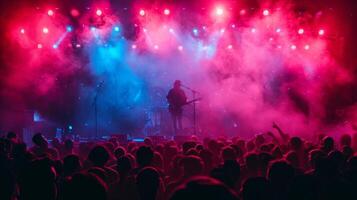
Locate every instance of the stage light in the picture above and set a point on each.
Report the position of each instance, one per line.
(180, 48)
(39, 46)
(78, 45)
(133, 46)
(278, 30)
(301, 31)
(55, 46)
(219, 11)
(22, 31)
(242, 12)
(321, 32)
(50, 12)
(92, 28)
(74, 12)
(171, 30)
(142, 12)
(116, 28)
(266, 12)
(293, 47)
(223, 30)
(99, 12)
(69, 28)
(166, 11)
(233, 25)
(156, 47)
(195, 31)
(230, 46)
(307, 47)
(253, 30)
(45, 30)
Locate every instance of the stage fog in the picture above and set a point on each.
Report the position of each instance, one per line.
(251, 65)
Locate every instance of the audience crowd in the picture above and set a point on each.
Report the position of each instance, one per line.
(266, 167)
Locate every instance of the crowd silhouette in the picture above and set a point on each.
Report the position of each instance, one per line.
(266, 167)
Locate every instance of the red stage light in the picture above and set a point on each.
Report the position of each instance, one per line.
(45, 30)
(307, 47)
(142, 12)
(301, 31)
(39, 46)
(22, 31)
(74, 12)
(50, 12)
(242, 12)
(219, 11)
(266, 12)
(166, 11)
(99, 12)
(321, 32)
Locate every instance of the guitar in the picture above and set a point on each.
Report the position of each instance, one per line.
(177, 108)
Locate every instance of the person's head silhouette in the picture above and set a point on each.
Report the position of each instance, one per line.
(203, 188)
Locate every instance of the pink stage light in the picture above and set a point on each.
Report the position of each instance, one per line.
(242, 12)
(307, 47)
(293, 47)
(99, 12)
(180, 48)
(22, 31)
(39, 46)
(253, 30)
(278, 30)
(230, 46)
(74, 12)
(321, 32)
(133, 46)
(301, 31)
(219, 11)
(156, 47)
(266, 12)
(166, 11)
(45, 30)
(50, 12)
(142, 12)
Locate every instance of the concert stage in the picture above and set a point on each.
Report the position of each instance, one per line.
(96, 68)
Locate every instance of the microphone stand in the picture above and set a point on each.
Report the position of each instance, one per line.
(194, 93)
(95, 104)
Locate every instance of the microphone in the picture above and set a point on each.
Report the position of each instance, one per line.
(184, 86)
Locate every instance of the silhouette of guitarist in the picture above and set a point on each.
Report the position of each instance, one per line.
(177, 99)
